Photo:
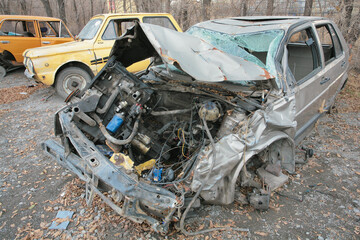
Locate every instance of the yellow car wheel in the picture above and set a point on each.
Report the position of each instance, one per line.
(70, 79)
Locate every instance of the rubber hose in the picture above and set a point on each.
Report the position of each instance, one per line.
(111, 138)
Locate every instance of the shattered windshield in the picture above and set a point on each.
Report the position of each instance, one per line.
(257, 47)
(90, 29)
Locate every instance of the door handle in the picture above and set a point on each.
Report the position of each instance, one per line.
(324, 80)
(46, 42)
(343, 64)
(4, 42)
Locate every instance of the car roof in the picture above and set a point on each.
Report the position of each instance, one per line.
(28, 17)
(235, 25)
(131, 14)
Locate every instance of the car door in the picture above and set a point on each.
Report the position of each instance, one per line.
(17, 36)
(113, 29)
(334, 60)
(305, 69)
(54, 32)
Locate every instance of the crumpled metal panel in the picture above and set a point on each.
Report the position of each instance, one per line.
(264, 128)
(200, 59)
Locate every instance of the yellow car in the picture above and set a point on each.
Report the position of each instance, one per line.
(18, 33)
(71, 66)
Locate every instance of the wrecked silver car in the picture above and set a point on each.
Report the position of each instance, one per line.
(220, 108)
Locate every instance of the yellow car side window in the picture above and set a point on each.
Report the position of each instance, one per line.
(117, 27)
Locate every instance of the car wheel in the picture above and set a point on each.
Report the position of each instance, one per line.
(2, 72)
(70, 79)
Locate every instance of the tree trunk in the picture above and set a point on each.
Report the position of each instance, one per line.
(270, 7)
(354, 31)
(61, 7)
(206, 9)
(184, 16)
(23, 7)
(124, 6)
(167, 6)
(137, 5)
(320, 8)
(349, 6)
(47, 7)
(308, 7)
(91, 8)
(76, 15)
(287, 7)
(244, 7)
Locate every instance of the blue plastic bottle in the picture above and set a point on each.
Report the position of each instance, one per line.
(115, 122)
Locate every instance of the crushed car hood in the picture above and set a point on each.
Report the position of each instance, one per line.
(199, 59)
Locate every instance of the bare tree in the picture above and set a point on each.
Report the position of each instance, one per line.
(76, 11)
(23, 8)
(348, 8)
(354, 32)
(206, 9)
(270, 7)
(124, 6)
(61, 7)
(165, 5)
(5, 7)
(308, 7)
(244, 7)
(47, 7)
(91, 8)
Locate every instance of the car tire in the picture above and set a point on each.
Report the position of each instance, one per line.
(2, 72)
(70, 79)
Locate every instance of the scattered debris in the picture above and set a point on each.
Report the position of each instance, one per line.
(9, 95)
(62, 220)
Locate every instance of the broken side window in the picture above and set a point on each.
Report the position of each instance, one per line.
(117, 27)
(257, 47)
(303, 54)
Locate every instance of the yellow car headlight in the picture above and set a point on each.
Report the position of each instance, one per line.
(29, 65)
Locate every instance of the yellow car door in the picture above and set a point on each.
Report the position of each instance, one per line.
(54, 32)
(17, 36)
(102, 46)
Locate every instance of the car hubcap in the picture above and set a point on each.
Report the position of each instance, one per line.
(74, 81)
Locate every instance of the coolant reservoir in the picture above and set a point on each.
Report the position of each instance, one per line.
(230, 122)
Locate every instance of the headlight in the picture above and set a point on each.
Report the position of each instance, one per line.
(29, 65)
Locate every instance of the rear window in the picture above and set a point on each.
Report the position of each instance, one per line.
(18, 28)
(161, 21)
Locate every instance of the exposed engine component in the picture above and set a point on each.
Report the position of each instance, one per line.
(209, 111)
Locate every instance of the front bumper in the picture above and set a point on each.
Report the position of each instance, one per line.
(91, 166)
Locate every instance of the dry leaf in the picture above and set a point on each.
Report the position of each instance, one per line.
(264, 234)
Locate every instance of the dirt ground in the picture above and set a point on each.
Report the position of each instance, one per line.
(321, 201)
